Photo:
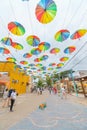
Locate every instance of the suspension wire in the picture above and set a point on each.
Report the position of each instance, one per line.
(12, 9)
(75, 54)
(79, 62)
(75, 13)
(67, 9)
(29, 17)
(9, 31)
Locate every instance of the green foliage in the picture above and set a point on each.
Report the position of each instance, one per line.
(40, 83)
(49, 81)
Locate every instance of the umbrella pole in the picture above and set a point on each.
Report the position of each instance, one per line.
(74, 83)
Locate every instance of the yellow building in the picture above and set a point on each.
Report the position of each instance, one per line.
(18, 78)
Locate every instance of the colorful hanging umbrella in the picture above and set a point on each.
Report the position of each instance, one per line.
(33, 40)
(57, 68)
(78, 34)
(39, 70)
(27, 55)
(43, 46)
(46, 11)
(16, 28)
(54, 50)
(52, 64)
(37, 60)
(60, 64)
(7, 41)
(70, 49)
(33, 68)
(17, 46)
(62, 35)
(27, 67)
(63, 59)
(50, 68)
(43, 68)
(23, 62)
(4, 50)
(31, 64)
(11, 59)
(44, 57)
(38, 65)
(35, 51)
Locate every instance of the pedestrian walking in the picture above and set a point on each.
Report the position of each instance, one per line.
(63, 92)
(5, 97)
(13, 98)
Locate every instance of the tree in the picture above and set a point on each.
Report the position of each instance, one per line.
(48, 81)
(40, 83)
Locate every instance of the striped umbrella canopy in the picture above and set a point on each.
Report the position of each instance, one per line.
(4, 50)
(62, 35)
(43, 68)
(69, 49)
(50, 68)
(54, 50)
(16, 28)
(33, 40)
(39, 65)
(23, 62)
(17, 46)
(11, 59)
(60, 64)
(7, 41)
(52, 64)
(43, 46)
(27, 55)
(44, 57)
(78, 34)
(46, 11)
(32, 64)
(35, 51)
(37, 60)
(64, 59)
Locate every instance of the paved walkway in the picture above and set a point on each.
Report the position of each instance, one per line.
(60, 114)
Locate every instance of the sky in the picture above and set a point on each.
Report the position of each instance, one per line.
(70, 15)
